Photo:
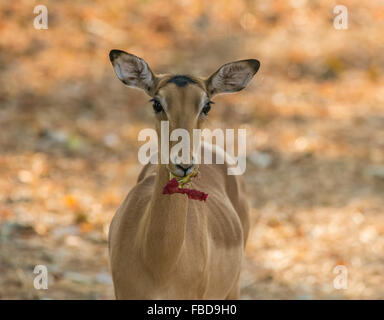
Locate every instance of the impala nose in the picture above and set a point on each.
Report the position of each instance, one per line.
(187, 168)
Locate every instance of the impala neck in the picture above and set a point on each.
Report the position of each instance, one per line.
(163, 226)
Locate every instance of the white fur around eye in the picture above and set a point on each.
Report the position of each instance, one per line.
(163, 103)
(203, 101)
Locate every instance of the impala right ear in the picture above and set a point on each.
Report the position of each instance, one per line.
(232, 77)
(132, 71)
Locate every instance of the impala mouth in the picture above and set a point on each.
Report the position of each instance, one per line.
(178, 173)
(185, 178)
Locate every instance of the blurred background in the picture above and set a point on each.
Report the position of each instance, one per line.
(313, 114)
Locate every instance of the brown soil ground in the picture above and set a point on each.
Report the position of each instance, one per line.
(315, 133)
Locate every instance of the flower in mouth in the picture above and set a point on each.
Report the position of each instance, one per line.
(173, 187)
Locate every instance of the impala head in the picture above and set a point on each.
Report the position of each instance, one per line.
(183, 100)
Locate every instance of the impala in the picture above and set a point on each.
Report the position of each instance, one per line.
(167, 246)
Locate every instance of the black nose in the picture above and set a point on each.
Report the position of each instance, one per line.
(184, 167)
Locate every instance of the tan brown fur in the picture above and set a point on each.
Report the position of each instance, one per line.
(168, 246)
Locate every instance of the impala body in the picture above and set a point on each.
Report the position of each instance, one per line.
(168, 246)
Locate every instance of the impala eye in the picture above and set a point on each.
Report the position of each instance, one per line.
(207, 107)
(156, 105)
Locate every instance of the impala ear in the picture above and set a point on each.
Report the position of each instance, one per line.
(132, 71)
(232, 77)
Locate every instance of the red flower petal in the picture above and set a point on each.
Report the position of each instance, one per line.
(173, 187)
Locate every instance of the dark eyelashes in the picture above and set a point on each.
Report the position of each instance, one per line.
(207, 107)
(157, 107)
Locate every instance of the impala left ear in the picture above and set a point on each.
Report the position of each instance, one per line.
(232, 77)
(132, 70)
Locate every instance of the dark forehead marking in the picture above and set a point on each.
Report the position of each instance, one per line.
(181, 80)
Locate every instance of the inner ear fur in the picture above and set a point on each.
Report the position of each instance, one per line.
(132, 70)
(232, 77)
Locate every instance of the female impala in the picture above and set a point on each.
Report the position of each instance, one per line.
(168, 246)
